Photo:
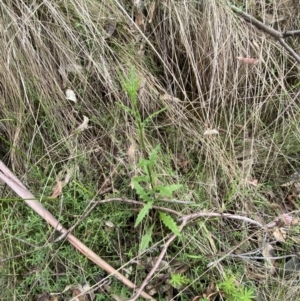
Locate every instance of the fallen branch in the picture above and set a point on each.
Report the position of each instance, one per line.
(277, 35)
(17, 186)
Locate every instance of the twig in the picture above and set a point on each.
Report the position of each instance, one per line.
(156, 264)
(289, 49)
(8, 177)
(291, 33)
(260, 25)
(184, 220)
(137, 203)
(227, 215)
(15, 184)
(279, 36)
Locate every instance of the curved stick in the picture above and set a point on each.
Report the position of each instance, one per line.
(17, 186)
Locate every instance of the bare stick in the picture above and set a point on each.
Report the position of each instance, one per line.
(289, 49)
(14, 183)
(291, 33)
(279, 36)
(260, 25)
(158, 261)
(218, 214)
(137, 203)
(184, 220)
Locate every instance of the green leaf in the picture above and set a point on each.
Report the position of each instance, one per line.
(146, 239)
(125, 108)
(141, 179)
(153, 156)
(143, 163)
(140, 191)
(130, 84)
(168, 189)
(153, 115)
(178, 280)
(169, 222)
(145, 210)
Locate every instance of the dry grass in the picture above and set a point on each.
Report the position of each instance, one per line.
(186, 58)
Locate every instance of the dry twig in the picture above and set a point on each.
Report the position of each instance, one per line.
(15, 184)
(279, 36)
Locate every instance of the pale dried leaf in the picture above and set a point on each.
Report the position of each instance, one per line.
(68, 176)
(287, 219)
(151, 11)
(253, 182)
(211, 132)
(149, 262)
(110, 28)
(88, 291)
(131, 185)
(67, 288)
(109, 224)
(84, 124)
(168, 97)
(138, 3)
(279, 234)
(268, 251)
(248, 60)
(80, 292)
(118, 298)
(295, 221)
(57, 189)
(131, 152)
(139, 19)
(70, 95)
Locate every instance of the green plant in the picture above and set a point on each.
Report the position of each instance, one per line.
(178, 280)
(234, 292)
(145, 184)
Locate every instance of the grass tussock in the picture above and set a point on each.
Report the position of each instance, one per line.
(185, 56)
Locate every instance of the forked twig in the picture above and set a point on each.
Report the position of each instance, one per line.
(17, 186)
(184, 220)
(277, 35)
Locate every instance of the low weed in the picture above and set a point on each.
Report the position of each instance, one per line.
(145, 184)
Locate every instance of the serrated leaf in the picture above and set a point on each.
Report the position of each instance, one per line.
(130, 84)
(169, 222)
(145, 210)
(84, 125)
(143, 163)
(133, 82)
(146, 239)
(153, 156)
(168, 189)
(141, 179)
(141, 191)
